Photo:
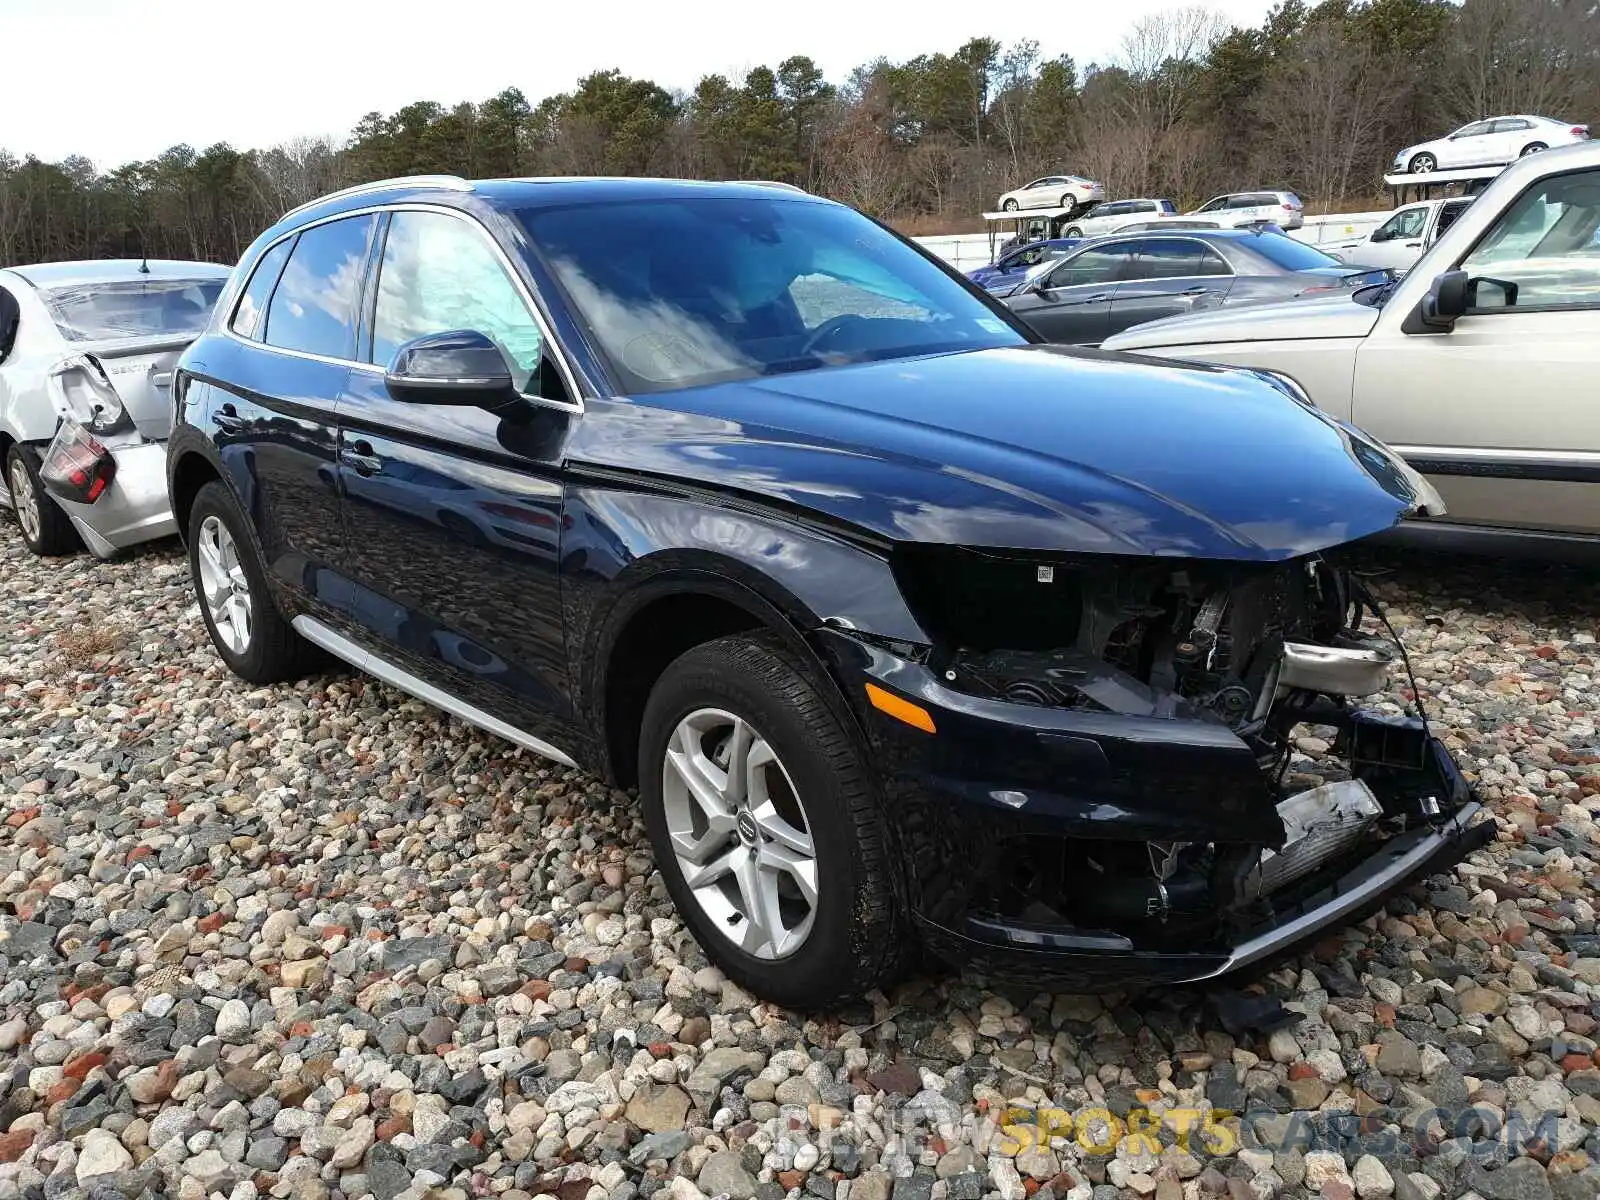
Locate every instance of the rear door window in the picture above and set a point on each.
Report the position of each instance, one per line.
(1167, 258)
(313, 309)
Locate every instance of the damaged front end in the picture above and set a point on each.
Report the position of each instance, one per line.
(1110, 793)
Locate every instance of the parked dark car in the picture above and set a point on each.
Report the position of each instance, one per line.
(1114, 283)
(1009, 270)
(902, 623)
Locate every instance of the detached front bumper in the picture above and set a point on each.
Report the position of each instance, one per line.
(135, 507)
(1000, 784)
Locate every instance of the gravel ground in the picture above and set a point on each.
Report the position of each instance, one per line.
(318, 941)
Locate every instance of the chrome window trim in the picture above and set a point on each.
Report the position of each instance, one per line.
(558, 352)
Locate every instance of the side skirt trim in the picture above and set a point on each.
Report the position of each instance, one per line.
(340, 646)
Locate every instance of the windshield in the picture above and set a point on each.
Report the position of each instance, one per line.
(1290, 254)
(87, 312)
(686, 291)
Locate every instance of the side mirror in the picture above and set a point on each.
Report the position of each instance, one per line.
(459, 367)
(1381, 235)
(1447, 299)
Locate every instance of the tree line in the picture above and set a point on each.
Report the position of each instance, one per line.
(1316, 99)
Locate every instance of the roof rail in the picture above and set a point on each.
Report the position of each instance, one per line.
(453, 183)
(777, 183)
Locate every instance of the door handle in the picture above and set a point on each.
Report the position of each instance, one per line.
(1195, 291)
(360, 459)
(1099, 296)
(1413, 244)
(227, 418)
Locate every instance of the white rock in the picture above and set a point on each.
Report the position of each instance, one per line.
(1324, 1167)
(1371, 1178)
(102, 1154)
(233, 1021)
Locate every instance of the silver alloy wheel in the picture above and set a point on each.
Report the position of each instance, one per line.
(740, 833)
(224, 585)
(25, 499)
(1423, 164)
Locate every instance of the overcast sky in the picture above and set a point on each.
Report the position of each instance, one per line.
(124, 79)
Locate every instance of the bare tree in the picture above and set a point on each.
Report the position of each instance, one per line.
(1323, 109)
(1163, 55)
(1511, 56)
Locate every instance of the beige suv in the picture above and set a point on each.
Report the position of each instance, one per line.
(1481, 366)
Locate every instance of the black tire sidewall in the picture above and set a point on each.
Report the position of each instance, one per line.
(700, 680)
(214, 499)
(57, 535)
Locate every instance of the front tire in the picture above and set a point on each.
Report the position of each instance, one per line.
(46, 529)
(1532, 148)
(236, 605)
(1010, 206)
(766, 826)
(1073, 231)
(1423, 164)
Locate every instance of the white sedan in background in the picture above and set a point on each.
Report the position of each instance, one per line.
(1054, 191)
(1109, 218)
(1488, 143)
(86, 357)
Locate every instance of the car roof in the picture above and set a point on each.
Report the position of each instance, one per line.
(532, 193)
(1205, 235)
(116, 270)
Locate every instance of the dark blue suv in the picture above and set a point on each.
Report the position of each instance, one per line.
(906, 627)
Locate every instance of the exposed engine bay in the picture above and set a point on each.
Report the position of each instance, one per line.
(1265, 650)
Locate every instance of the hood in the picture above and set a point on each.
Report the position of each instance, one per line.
(1332, 316)
(1036, 447)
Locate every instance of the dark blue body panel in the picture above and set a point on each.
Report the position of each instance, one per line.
(1037, 448)
(502, 556)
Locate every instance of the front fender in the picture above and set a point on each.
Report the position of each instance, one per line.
(623, 549)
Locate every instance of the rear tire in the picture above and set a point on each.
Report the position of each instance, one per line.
(1532, 148)
(236, 603)
(850, 938)
(45, 528)
(1422, 164)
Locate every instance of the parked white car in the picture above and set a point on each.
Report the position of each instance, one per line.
(1109, 218)
(1479, 366)
(1283, 209)
(86, 357)
(1401, 240)
(1488, 143)
(1054, 191)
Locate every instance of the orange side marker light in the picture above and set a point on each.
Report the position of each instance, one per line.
(913, 715)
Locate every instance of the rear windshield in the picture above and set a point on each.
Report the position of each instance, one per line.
(1290, 254)
(687, 291)
(87, 312)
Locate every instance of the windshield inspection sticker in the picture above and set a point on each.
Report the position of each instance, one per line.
(991, 324)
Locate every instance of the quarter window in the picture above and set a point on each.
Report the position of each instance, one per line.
(1543, 252)
(440, 274)
(313, 308)
(249, 318)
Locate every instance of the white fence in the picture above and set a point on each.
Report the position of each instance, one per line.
(966, 251)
